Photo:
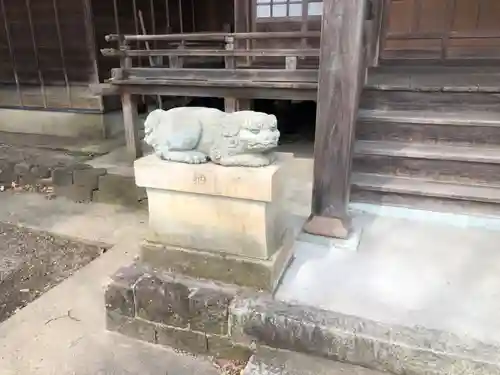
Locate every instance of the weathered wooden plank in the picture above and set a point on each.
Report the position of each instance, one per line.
(56, 98)
(430, 101)
(261, 75)
(215, 83)
(409, 150)
(201, 88)
(110, 52)
(215, 36)
(428, 188)
(465, 127)
(341, 78)
(432, 169)
(103, 89)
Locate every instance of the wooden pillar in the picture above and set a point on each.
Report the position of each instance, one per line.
(130, 118)
(233, 104)
(341, 79)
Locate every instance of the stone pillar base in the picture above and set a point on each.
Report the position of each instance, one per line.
(214, 222)
(261, 274)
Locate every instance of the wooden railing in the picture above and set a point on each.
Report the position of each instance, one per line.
(236, 79)
(236, 73)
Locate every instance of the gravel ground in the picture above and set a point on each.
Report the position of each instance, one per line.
(33, 262)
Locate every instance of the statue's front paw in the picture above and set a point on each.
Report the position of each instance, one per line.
(198, 159)
(259, 161)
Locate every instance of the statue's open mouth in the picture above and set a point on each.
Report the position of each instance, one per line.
(261, 147)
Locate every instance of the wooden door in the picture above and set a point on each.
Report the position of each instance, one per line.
(441, 29)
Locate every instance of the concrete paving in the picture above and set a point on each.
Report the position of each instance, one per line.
(406, 271)
(92, 222)
(63, 332)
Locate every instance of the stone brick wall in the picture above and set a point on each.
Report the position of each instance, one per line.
(78, 182)
(22, 173)
(182, 313)
(84, 184)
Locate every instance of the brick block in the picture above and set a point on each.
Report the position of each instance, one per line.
(162, 301)
(223, 347)
(209, 310)
(119, 295)
(7, 175)
(40, 171)
(23, 174)
(135, 328)
(117, 189)
(189, 341)
(62, 176)
(88, 177)
(78, 194)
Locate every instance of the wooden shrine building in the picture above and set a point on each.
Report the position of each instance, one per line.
(407, 91)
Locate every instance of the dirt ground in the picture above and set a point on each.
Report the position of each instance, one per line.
(33, 262)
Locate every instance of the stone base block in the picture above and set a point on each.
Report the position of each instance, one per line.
(231, 210)
(251, 272)
(351, 243)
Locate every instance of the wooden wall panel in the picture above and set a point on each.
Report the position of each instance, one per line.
(466, 15)
(431, 16)
(37, 45)
(489, 16)
(442, 29)
(400, 17)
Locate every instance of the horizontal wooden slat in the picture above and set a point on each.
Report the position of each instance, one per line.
(215, 83)
(261, 75)
(431, 188)
(439, 35)
(103, 89)
(202, 88)
(215, 36)
(211, 52)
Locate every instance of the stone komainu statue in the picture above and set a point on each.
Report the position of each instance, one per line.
(196, 135)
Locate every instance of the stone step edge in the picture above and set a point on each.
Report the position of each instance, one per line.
(268, 361)
(378, 346)
(213, 318)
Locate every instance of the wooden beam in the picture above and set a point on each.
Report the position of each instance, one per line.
(226, 84)
(110, 52)
(260, 75)
(103, 89)
(215, 36)
(341, 79)
(252, 90)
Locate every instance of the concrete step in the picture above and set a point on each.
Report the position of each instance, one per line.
(448, 163)
(430, 126)
(280, 362)
(379, 346)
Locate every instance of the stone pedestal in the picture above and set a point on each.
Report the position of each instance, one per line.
(223, 223)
